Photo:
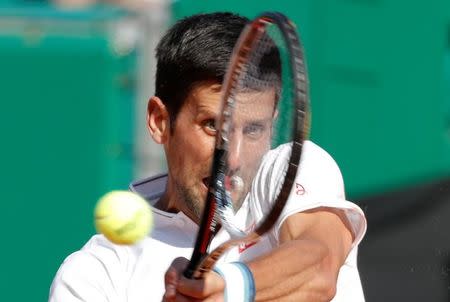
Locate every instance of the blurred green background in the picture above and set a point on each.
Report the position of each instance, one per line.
(75, 78)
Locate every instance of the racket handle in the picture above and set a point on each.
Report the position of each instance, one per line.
(193, 265)
(189, 272)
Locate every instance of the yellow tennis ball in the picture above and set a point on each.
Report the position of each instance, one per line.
(123, 217)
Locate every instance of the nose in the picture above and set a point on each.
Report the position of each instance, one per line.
(234, 151)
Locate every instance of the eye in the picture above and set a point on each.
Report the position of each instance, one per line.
(254, 130)
(210, 126)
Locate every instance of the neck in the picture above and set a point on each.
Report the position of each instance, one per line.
(171, 202)
(166, 203)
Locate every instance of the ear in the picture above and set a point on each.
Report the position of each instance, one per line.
(275, 113)
(158, 122)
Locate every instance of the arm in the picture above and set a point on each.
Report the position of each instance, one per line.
(315, 238)
(313, 241)
(313, 247)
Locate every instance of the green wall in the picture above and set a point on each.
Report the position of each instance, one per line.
(66, 112)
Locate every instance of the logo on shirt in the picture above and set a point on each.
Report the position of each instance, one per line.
(243, 246)
(299, 189)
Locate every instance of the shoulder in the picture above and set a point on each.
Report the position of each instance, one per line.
(315, 155)
(92, 272)
(319, 170)
(103, 271)
(311, 154)
(318, 176)
(98, 254)
(316, 165)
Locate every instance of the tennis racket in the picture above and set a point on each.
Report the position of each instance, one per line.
(264, 104)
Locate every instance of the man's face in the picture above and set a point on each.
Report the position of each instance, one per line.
(190, 147)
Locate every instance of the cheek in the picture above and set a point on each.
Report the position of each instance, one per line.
(199, 147)
(192, 152)
(252, 154)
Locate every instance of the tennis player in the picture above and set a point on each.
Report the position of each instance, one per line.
(309, 256)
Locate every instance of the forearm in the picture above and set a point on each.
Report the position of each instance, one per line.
(313, 247)
(299, 270)
(304, 267)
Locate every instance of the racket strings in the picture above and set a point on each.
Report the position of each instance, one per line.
(262, 70)
(265, 99)
(258, 75)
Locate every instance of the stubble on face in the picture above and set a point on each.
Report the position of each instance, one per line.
(191, 200)
(190, 149)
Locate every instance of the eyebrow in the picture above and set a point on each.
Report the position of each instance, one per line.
(206, 110)
(261, 121)
(257, 121)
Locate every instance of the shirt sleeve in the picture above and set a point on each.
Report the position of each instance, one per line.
(318, 183)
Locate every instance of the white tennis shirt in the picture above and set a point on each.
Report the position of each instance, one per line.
(103, 271)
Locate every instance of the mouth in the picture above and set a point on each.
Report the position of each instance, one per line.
(234, 183)
(206, 182)
(237, 183)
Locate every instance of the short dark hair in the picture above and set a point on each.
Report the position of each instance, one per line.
(195, 49)
(198, 48)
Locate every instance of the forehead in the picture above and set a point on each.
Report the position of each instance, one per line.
(255, 102)
(207, 96)
(204, 96)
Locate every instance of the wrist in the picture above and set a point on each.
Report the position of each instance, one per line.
(239, 282)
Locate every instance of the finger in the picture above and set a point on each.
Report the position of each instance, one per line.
(172, 276)
(219, 297)
(170, 282)
(210, 285)
(183, 298)
(180, 264)
(213, 298)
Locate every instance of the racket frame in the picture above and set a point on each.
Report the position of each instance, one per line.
(202, 262)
